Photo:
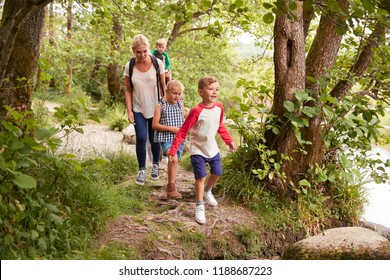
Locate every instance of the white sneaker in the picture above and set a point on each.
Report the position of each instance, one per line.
(200, 214)
(209, 197)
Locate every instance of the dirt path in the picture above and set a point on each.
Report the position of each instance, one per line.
(167, 229)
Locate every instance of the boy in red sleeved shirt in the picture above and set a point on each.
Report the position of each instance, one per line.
(204, 122)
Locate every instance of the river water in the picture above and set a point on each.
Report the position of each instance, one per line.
(377, 210)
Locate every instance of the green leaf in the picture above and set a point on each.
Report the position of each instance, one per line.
(3, 165)
(309, 111)
(206, 4)
(34, 235)
(368, 6)
(44, 133)
(321, 178)
(16, 145)
(268, 18)
(348, 177)
(11, 128)
(40, 228)
(244, 107)
(289, 106)
(345, 162)
(56, 219)
(328, 112)
(301, 95)
(42, 243)
(25, 181)
(239, 3)
(293, 6)
(268, 6)
(304, 183)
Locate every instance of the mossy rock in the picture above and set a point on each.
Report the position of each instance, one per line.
(345, 243)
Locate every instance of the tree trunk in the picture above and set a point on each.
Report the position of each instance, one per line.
(52, 83)
(363, 61)
(290, 75)
(69, 67)
(322, 55)
(113, 69)
(20, 48)
(289, 60)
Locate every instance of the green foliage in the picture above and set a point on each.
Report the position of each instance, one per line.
(328, 192)
(194, 242)
(116, 116)
(190, 65)
(114, 251)
(251, 240)
(52, 204)
(185, 162)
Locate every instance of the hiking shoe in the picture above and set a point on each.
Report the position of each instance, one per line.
(155, 172)
(141, 178)
(200, 214)
(210, 199)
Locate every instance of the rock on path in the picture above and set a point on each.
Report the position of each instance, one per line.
(96, 140)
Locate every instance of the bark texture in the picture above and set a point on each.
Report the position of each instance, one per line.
(113, 70)
(291, 70)
(289, 60)
(21, 34)
(321, 57)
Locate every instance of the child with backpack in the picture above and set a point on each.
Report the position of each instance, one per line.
(160, 52)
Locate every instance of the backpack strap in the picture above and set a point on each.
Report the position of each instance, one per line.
(158, 77)
(131, 66)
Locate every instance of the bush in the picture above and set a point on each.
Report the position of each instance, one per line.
(51, 206)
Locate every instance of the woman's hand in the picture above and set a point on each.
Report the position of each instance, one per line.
(131, 117)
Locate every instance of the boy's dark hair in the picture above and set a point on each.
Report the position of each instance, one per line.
(205, 81)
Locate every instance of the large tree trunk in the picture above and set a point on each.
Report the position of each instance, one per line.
(322, 55)
(113, 69)
(289, 60)
(290, 75)
(21, 34)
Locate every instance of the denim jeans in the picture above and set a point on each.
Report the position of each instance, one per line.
(143, 129)
(167, 145)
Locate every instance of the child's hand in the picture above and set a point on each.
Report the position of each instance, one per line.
(170, 157)
(175, 129)
(233, 147)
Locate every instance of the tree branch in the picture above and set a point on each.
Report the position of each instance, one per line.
(192, 29)
(363, 61)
